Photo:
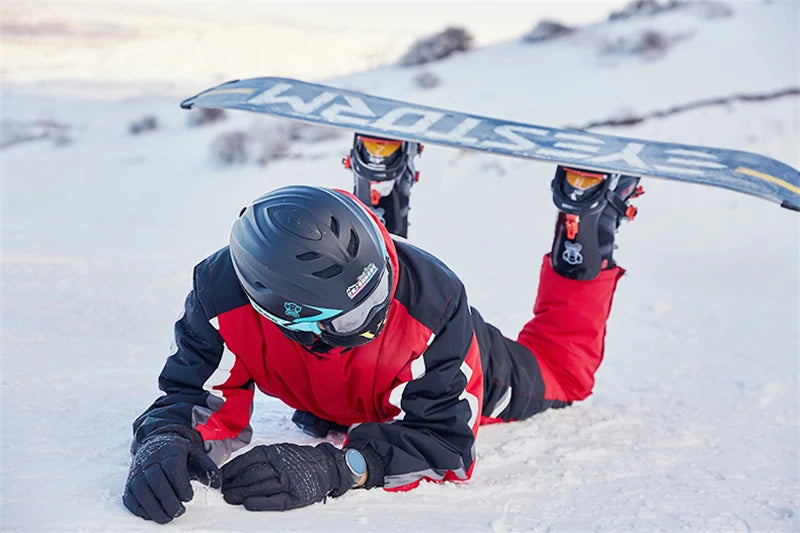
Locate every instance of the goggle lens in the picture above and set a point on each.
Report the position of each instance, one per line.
(356, 318)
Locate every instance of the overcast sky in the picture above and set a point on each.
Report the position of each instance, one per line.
(214, 41)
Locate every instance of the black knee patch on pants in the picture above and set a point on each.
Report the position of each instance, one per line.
(508, 364)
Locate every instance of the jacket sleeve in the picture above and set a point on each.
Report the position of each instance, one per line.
(433, 435)
(205, 387)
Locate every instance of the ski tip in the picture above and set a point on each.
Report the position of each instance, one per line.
(790, 206)
(189, 102)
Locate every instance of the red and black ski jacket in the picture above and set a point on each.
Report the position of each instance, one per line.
(413, 394)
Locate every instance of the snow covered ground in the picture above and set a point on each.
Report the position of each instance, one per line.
(695, 420)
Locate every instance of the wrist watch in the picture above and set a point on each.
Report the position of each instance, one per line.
(357, 465)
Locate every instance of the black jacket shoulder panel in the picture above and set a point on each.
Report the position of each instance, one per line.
(216, 284)
(427, 287)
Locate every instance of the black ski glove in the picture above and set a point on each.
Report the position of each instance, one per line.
(161, 469)
(285, 476)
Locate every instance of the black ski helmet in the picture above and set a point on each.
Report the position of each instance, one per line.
(305, 253)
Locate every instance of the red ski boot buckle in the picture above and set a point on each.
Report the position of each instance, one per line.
(571, 224)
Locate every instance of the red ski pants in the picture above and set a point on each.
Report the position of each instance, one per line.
(556, 354)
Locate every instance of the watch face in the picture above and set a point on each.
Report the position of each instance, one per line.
(355, 462)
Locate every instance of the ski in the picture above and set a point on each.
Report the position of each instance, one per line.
(736, 170)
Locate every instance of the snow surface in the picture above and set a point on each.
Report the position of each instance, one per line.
(695, 420)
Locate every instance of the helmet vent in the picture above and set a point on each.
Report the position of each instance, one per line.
(335, 226)
(333, 270)
(307, 256)
(352, 246)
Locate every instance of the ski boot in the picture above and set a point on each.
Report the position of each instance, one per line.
(384, 173)
(590, 208)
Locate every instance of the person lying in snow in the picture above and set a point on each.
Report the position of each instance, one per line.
(322, 308)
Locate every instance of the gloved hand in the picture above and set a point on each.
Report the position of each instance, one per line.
(160, 472)
(285, 476)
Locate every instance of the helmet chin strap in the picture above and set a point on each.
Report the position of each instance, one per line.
(305, 338)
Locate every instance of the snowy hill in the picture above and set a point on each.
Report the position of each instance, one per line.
(693, 424)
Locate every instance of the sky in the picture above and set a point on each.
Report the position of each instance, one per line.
(217, 41)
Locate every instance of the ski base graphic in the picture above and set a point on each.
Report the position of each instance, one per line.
(736, 170)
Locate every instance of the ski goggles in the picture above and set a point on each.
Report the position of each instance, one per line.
(355, 319)
(333, 321)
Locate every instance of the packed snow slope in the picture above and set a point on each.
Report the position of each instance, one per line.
(693, 424)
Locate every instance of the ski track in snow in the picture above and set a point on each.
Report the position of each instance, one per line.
(694, 422)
